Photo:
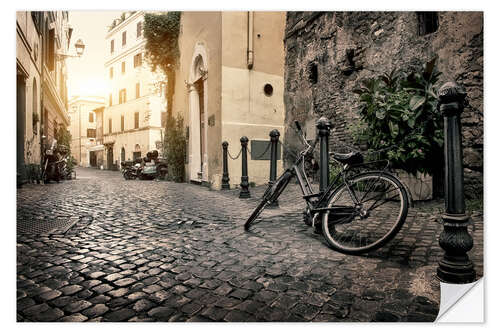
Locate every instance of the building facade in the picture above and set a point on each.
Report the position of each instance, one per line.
(136, 101)
(328, 54)
(41, 40)
(229, 84)
(83, 128)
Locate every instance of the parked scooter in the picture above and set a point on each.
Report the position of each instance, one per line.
(52, 164)
(154, 167)
(149, 167)
(131, 169)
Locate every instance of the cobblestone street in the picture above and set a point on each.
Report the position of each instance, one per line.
(100, 248)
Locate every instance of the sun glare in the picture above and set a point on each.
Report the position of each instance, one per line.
(96, 86)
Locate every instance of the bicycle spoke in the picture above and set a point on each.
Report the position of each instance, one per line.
(368, 191)
(386, 200)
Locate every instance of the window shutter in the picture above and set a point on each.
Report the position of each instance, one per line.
(139, 29)
(52, 44)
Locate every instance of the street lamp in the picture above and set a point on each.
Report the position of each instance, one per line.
(79, 47)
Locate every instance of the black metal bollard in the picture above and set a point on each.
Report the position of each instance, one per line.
(323, 125)
(275, 136)
(244, 192)
(455, 266)
(225, 173)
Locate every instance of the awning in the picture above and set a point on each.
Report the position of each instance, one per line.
(96, 148)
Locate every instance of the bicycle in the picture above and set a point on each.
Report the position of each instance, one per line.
(364, 212)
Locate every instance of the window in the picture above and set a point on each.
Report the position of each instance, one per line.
(139, 29)
(112, 46)
(123, 123)
(91, 133)
(138, 60)
(37, 20)
(124, 38)
(427, 22)
(111, 72)
(312, 72)
(51, 59)
(110, 99)
(137, 90)
(123, 67)
(91, 117)
(110, 125)
(136, 120)
(123, 96)
(268, 89)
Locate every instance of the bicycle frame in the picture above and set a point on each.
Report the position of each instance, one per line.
(319, 206)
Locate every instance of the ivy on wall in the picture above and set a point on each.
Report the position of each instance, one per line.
(161, 32)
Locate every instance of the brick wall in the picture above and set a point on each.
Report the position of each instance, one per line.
(329, 53)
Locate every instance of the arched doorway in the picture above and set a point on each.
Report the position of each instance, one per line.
(122, 156)
(198, 114)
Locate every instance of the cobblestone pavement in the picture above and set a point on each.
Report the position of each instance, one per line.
(100, 248)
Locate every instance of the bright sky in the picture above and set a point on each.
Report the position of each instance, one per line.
(86, 74)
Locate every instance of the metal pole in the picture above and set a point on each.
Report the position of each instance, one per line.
(225, 173)
(455, 266)
(244, 192)
(323, 125)
(275, 136)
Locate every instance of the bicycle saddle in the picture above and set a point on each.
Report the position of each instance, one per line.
(354, 157)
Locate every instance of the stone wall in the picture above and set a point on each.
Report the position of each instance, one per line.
(329, 53)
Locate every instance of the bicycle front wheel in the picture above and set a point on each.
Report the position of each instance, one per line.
(367, 215)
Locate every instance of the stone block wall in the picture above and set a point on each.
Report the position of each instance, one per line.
(329, 53)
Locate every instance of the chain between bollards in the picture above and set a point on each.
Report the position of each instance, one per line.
(244, 192)
(455, 266)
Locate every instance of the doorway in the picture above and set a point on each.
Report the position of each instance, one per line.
(93, 159)
(201, 96)
(110, 158)
(198, 100)
(21, 125)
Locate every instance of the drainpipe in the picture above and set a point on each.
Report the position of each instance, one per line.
(250, 41)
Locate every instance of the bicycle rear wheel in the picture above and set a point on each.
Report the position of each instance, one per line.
(272, 193)
(358, 228)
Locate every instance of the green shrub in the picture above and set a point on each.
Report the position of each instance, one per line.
(175, 148)
(401, 110)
